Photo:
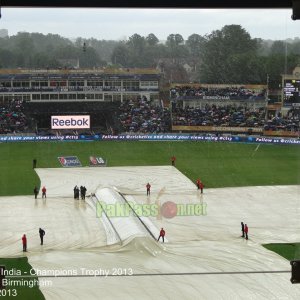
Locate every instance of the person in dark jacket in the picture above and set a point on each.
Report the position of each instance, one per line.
(35, 191)
(243, 229)
(76, 192)
(82, 192)
(42, 233)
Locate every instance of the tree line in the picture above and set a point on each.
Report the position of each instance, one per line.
(228, 55)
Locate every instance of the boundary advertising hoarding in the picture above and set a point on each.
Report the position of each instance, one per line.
(97, 161)
(154, 137)
(216, 128)
(69, 161)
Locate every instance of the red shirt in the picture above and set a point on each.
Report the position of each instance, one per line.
(162, 233)
(44, 190)
(173, 158)
(148, 186)
(201, 185)
(198, 181)
(246, 229)
(24, 240)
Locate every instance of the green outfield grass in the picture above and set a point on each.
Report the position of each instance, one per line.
(21, 290)
(217, 164)
(290, 251)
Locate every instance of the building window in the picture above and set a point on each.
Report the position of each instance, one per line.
(5, 84)
(90, 96)
(53, 96)
(36, 97)
(107, 97)
(45, 97)
(94, 83)
(131, 85)
(117, 97)
(76, 83)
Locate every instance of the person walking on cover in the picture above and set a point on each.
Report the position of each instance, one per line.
(42, 233)
(35, 191)
(44, 192)
(148, 187)
(173, 160)
(246, 231)
(201, 186)
(24, 242)
(243, 229)
(198, 181)
(162, 235)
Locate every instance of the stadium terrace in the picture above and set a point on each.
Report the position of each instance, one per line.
(138, 101)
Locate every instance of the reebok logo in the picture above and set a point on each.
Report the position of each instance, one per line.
(70, 122)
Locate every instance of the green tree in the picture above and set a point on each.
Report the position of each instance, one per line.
(152, 40)
(137, 44)
(7, 58)
(195, 43)
(278, 64)
(278, 47)
(176, 48)
(225, 55)
(120, 55)
(90, 58)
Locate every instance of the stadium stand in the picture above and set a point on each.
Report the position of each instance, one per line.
(238, 93)
(13, 119)
(290, 122)
(142, 116)
(139, 114)
(213, 115)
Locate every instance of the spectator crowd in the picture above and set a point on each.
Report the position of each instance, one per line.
(213, 115)
(289, 122)
(141, 116)
(12, 118)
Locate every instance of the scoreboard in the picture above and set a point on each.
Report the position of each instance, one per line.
(291, 92)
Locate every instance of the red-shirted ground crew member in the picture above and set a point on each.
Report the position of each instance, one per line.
(246, 231)
(44, 192)
(162, 234)
(198, 183)
(148, 187)
(173, 160)
(24, 242)
(201, 186)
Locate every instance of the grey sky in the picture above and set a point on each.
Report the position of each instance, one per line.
(116, 24)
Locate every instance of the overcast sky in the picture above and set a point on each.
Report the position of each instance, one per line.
(116, 24)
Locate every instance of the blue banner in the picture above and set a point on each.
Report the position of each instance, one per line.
(152, 137)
